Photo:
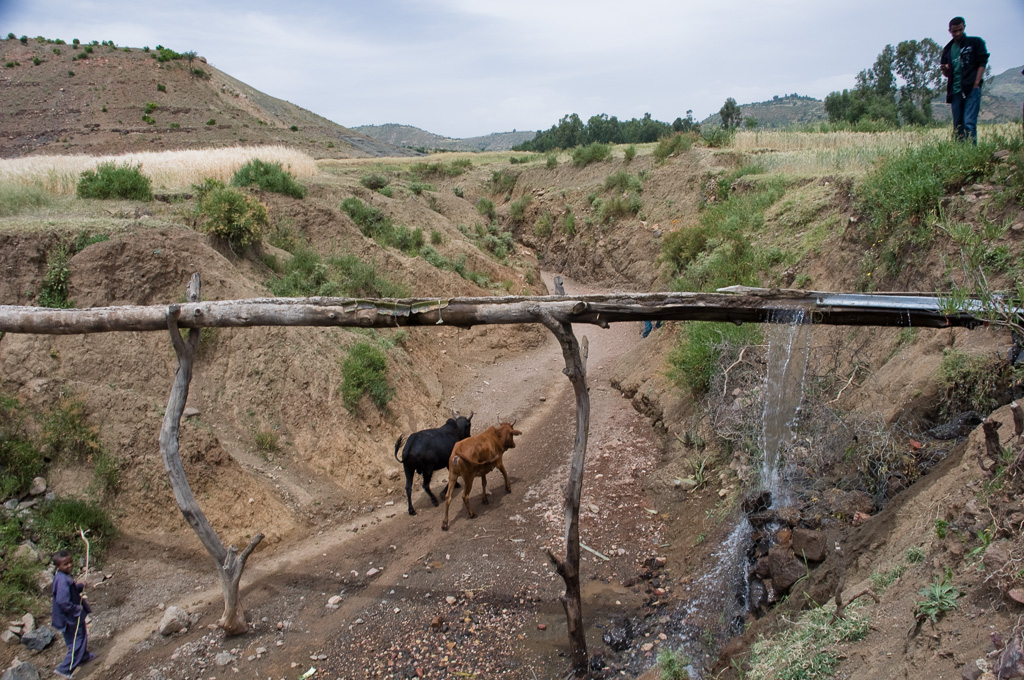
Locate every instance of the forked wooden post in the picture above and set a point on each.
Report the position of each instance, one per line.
(569, 568)
(230, 563)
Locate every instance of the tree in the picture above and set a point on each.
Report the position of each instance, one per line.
(687, 124)
(730, 113)
(898, 88)
(750, 122)
(917, 65)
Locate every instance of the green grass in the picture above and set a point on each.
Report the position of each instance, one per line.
(441, 169)
(268, 177)
(109, 180)
(485, 207)
(721, 250)
(365, 371)
(306, 274)
(58, 521)
(373, 223)
(20, 458)
(901, 194)
(939, 597)
(623, 182)
(18, 198)
(810, 649)
(970, 381)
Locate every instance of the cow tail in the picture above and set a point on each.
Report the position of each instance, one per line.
(398, 444)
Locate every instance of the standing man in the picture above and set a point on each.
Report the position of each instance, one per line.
(963, 63)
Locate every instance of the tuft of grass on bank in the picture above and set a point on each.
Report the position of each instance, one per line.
(109, 180)
(365, 371)
(16, 199)
(306, 274)
(268, 176)
(696, 357)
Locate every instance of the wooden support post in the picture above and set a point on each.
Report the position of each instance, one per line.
(569, 568)
(230, 563)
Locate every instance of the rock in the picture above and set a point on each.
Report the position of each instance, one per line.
(20, 670)
(28, 623)
(1000, 155)
(810, 544)
(9, 638)
(93, 579)
(38, 486)
(28, 552)
(334, 600)
(224, 659)
(190, 412)
(174, 620)
(1011, 661)
(785, 568)
(38, 639)
(996, 556)
(619, 638)
(450, 599)
(260, 651)
(373, 572)
(971, 671)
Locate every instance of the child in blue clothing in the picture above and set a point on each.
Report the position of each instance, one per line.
(69, 611)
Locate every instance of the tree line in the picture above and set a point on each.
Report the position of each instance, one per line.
(571, 131)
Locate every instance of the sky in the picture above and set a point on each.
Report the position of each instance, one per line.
(465, 68)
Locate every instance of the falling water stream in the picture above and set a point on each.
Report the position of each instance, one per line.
(725, 587)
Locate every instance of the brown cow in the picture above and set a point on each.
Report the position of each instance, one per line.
(476, 456)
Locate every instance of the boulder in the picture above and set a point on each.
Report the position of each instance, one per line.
(38, 486)
(174, 620)
(38, 639)
(20, 670)
(810, 544)
(786, 569)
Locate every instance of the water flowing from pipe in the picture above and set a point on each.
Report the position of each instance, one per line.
(788, 348)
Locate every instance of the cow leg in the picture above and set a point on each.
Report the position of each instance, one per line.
(483, 483)
(409, 474)
(427, 474)
(508, 487)
(448, 495)
(465, 496)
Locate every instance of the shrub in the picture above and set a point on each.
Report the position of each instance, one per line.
(618, 207)
(453, 169)
(109, 180)
(596, 152)
(294, 128)
(629, 154)
(54, 291)
(502, 182)
(149, 120)
(365, 371)
(569, 223)
(485, 207)
(436, 237)
(672, 665)
(517, 209)
(151, 106)
(229, 214)
(212, 121)
(716, 137)
(374, 181)
(971, 382)
(673, 144)
(544, 224)
(269, 177)
(371, 221)
(551, 162)
(20, 459)
(418, 188)
(458, 192)
(17, 583)
(160, 87)
(623, 182)
(694, 360)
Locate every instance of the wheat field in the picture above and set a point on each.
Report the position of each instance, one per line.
(168, 170)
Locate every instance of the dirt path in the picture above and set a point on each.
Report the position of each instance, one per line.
(416, 601)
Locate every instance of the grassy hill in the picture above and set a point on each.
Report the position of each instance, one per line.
(99, 99)
(411, 137)
(779, 112)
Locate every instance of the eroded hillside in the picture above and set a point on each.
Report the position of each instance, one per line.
(491, 226)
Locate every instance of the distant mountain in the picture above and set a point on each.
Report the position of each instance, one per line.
(779, 112)
(101, 99)
(414, 138)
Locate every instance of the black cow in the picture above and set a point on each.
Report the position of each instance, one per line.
(429, 450)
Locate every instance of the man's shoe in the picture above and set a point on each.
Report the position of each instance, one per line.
(62, 674)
